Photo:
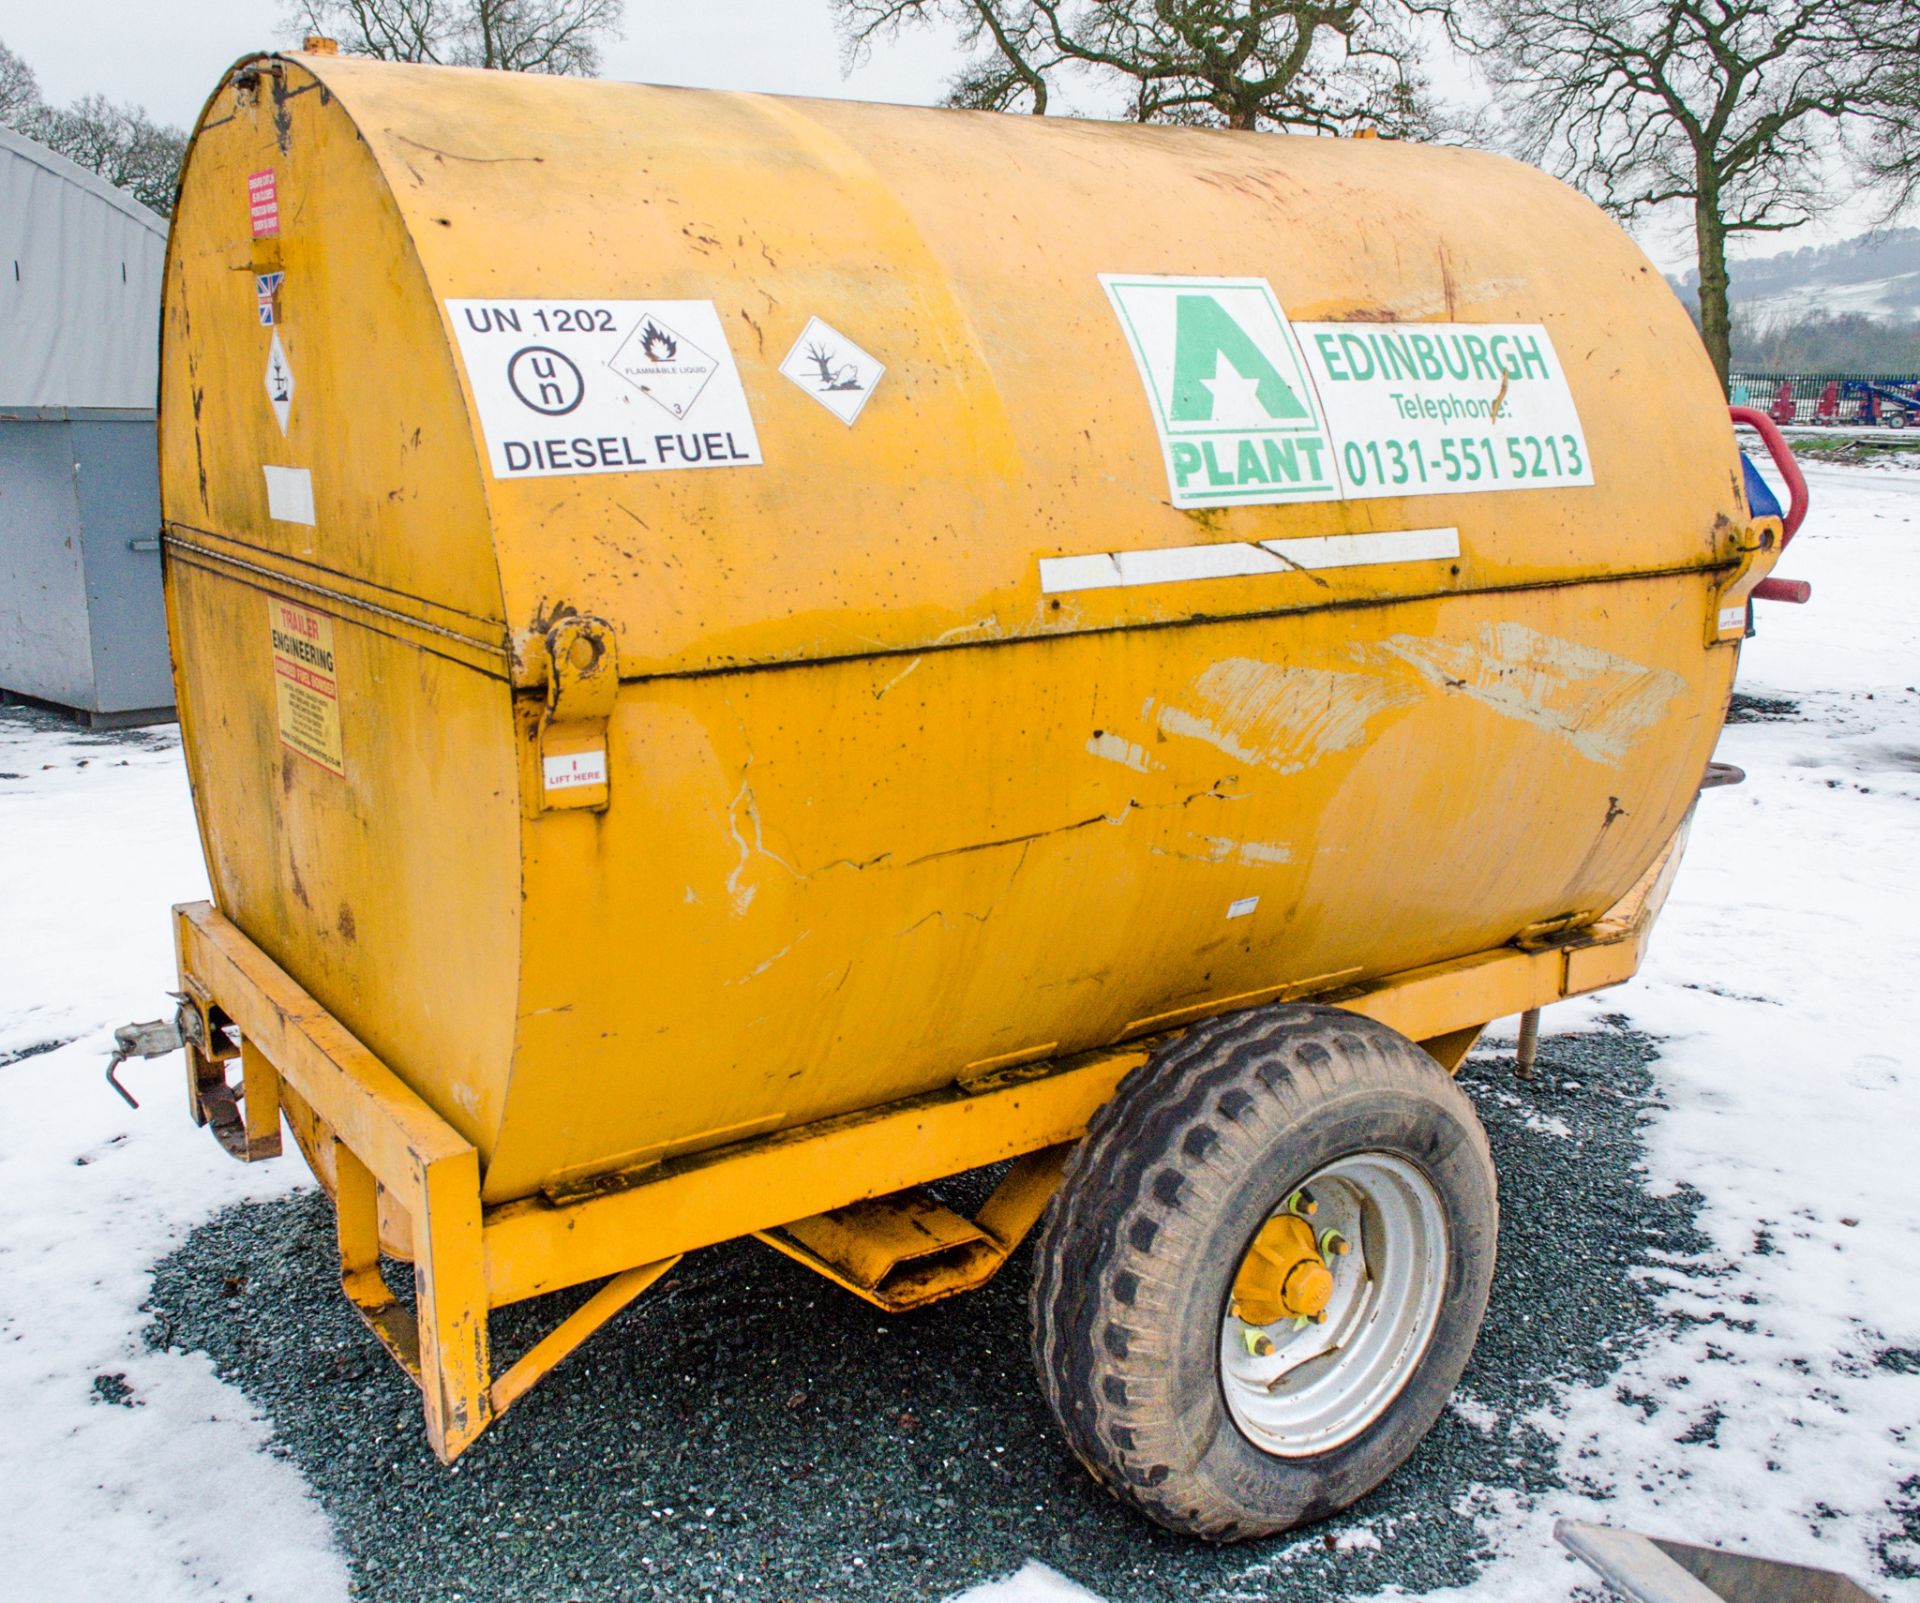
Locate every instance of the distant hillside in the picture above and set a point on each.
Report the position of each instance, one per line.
(1876, 275)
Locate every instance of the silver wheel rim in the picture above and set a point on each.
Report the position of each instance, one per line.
(1323, 1384)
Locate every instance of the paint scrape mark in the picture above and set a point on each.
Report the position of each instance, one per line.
(755, 973)
(741, 895)
(1285, 719)
(897, 678)
(1118, 749)
(1250, 851)
(1222, 849)
(1598, 703)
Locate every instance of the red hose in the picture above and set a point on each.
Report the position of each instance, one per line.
(1794, 590)
(1782, 455)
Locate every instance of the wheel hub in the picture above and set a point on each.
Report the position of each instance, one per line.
(1283, 1275)
(1328, 1318)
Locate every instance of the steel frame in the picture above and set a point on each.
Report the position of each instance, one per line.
(808, 1191)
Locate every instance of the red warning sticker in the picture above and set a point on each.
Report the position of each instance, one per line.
(263, 203)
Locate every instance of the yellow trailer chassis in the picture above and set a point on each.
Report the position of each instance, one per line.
(839, 1195)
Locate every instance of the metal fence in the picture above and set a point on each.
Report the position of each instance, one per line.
(1751, 387)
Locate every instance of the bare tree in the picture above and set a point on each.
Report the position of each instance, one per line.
(119, 142)
(548, 36)
(1323, 65)
(19, 89)
(1743, 110)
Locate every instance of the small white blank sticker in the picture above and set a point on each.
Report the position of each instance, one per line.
(574, 769)
(289, 495)
(1241, 908)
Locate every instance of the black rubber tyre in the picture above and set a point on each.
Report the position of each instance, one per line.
(1136, 1258)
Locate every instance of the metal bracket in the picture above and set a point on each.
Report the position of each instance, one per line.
(905, 1250)
(153, 1039)
(1648, 1569)
(1758, 551)
(583, 681)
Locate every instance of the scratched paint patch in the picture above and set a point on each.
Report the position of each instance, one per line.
(1281, 718)
(1224, 849)
(1118, 749)
(1598, 703)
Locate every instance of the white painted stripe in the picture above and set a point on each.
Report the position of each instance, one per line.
(1109, 570)
(289, 495)
(1361, 550)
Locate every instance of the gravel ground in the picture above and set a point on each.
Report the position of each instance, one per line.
(749, 1431)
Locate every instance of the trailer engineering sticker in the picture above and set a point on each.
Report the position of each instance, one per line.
(1252, 409)
(582, 386)
(305, 688)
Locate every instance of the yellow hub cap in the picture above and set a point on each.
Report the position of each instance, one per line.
(1283, 1275)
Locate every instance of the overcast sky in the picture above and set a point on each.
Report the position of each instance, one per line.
(167, 55)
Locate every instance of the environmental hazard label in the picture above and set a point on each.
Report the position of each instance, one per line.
(305, 683)
(832, 369)
(1251, 408)
(279, 381)
(1238, 421)
(603, 386)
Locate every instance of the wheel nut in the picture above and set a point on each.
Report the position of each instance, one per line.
(1307, 1287)
(1333, 1244)
(1257, 1342)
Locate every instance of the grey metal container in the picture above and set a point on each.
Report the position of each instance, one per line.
(82, 625)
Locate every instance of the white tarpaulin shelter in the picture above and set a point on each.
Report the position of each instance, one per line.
(80, 265)
(81, 619)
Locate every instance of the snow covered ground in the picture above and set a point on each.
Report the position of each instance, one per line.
(1778, 1410)
(1893, 297)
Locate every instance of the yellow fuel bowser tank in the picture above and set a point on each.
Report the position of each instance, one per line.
(740, 655)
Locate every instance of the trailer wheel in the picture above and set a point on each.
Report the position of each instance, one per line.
(1264, 1270)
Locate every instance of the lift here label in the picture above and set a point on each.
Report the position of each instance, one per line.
(1254, 409)
(579, 386)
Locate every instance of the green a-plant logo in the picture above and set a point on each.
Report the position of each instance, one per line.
(1238, 420)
